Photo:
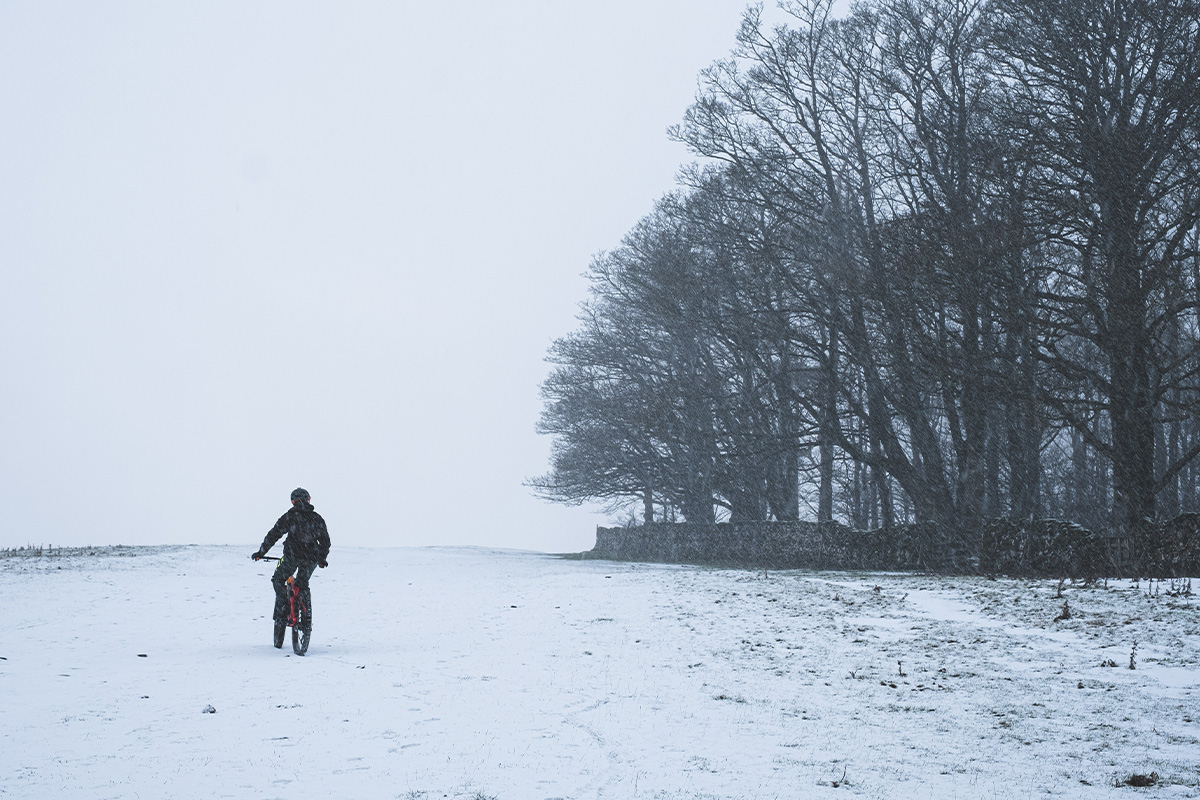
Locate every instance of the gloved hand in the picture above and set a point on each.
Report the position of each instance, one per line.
(322, 564)
(257, 554)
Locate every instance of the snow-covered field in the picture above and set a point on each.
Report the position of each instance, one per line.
(467, 673)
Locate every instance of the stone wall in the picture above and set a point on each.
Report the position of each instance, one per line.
(784, 545)
(1003, 546)
(780, 544)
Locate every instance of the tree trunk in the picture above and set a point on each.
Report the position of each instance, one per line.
(828, 429)
(1127, 343)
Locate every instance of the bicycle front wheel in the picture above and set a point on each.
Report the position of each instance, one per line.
(302, 630)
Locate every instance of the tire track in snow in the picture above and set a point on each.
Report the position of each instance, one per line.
(608, 776)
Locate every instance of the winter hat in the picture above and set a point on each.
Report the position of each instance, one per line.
(300, 494)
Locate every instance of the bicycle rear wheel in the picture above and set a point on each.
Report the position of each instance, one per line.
(302, 629)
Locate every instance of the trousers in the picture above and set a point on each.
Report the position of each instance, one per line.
(303, 570)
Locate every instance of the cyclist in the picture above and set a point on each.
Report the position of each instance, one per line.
(305, 549)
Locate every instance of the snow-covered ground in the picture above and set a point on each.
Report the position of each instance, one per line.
(468, 673)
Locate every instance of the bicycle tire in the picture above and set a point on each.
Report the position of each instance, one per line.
(280, 630)
(302, 630)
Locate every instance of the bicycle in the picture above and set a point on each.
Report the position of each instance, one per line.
(298, 619)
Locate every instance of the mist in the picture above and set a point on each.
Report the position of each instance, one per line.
(253, 247)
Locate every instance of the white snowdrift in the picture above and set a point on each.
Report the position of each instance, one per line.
(466, 673)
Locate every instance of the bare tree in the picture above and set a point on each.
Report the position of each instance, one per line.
(1118, 84)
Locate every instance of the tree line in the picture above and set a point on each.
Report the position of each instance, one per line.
(937, 261)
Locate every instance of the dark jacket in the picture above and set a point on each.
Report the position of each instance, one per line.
(307, 537)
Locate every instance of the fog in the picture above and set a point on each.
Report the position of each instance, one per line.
(247, 247)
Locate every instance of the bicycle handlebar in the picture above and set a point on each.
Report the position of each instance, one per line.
(276, 558)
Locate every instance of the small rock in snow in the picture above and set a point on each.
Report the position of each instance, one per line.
(209, 710)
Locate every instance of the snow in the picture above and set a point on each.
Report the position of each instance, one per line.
(471, 673)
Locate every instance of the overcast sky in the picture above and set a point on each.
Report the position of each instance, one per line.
(250, 246)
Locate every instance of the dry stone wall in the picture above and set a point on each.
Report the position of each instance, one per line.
(1003, 546)
(783, 545)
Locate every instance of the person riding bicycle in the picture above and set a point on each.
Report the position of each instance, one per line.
(305, 549)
